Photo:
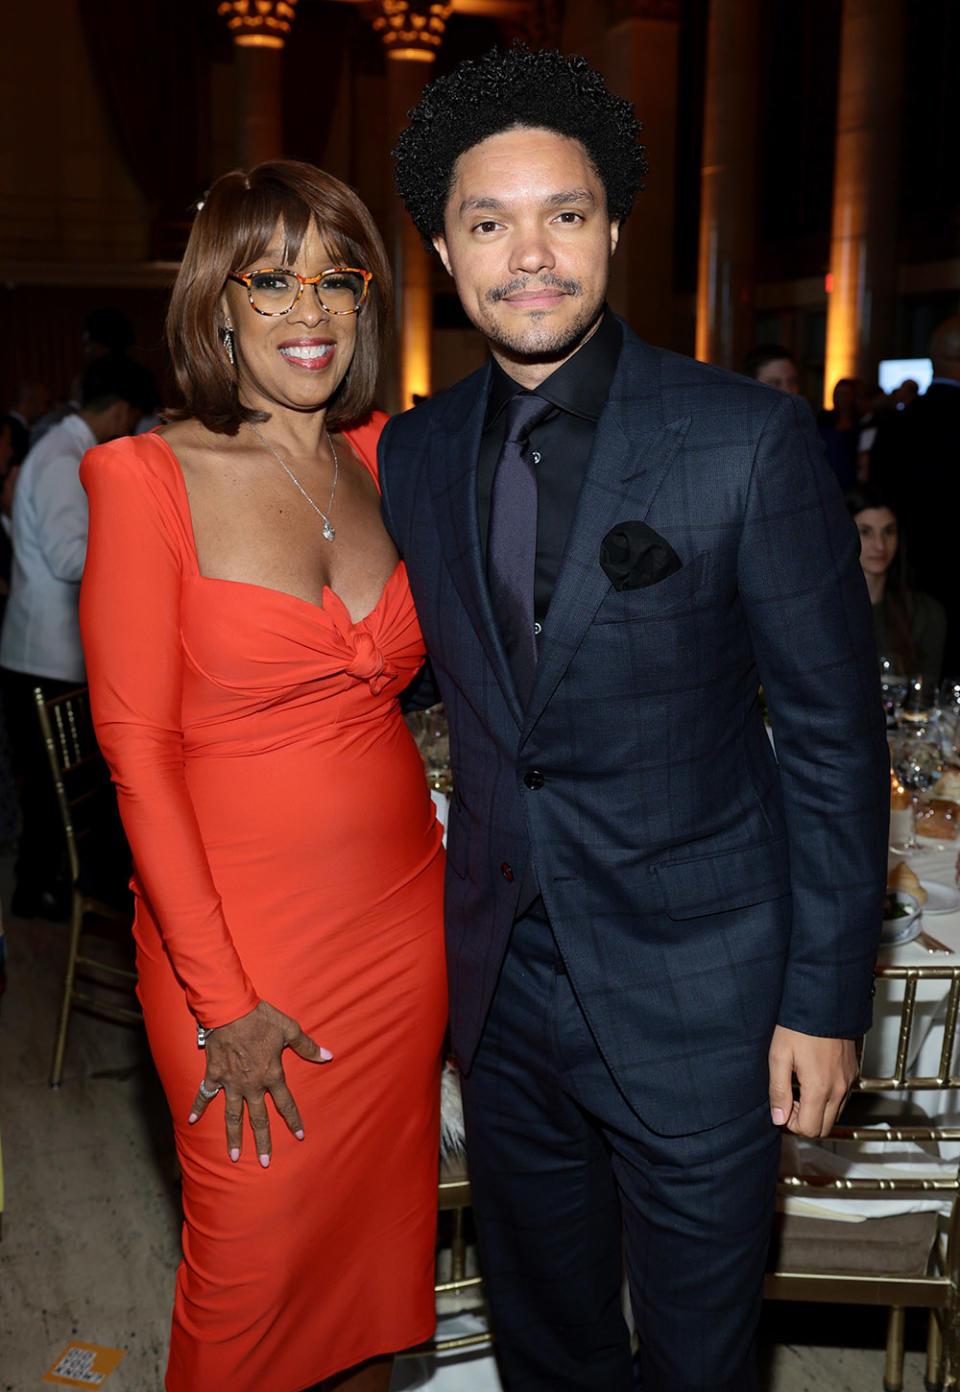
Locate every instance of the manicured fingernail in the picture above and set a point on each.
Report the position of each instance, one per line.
(194, 1116)
(325, 1055)
(779, 1116)
(235, 1154)
(265, 1161)
(299, 1135)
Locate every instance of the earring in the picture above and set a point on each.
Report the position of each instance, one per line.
(226, 334)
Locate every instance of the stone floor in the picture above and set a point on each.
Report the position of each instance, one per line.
(90, 1224)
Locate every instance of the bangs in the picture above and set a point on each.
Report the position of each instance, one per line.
(270, 206)
(261, 210)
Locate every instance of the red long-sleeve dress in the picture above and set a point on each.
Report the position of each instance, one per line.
(286, 850)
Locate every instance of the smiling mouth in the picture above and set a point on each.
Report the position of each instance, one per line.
(522, 293)
(312, 355)
(529, 299)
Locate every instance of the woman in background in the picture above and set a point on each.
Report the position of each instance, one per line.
(907, 623)
(248, 629)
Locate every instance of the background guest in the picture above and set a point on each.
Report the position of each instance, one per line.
(773, 365)
(914, 460)
(14, 442)
(40, 644)
(907, 622)
(872, 405)
(106, 332)
(13, 448)
(32, 400)
(840, 431)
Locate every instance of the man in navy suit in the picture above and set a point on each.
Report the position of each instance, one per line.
(661, 937)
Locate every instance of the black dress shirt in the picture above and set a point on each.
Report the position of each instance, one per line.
(562, 442)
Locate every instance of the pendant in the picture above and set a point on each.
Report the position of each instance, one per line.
(328, 532)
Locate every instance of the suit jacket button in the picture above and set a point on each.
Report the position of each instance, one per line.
(507, 872)
(533, 778)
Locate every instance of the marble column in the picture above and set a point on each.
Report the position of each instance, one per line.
(259, 34)
(861, 305)
(412, 32)
(725, 269)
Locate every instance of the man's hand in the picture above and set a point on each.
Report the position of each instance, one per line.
(824, 1070)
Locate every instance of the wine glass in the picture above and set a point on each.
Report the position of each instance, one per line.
(903, 817)
(919, 704)
(917, 761)
(949, 705)
(893, 684)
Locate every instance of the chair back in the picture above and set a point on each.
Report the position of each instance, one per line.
(99, 864)
(887, 1096)
(74, 760)
(903, 1078)
(898, 1159)
(88, 806)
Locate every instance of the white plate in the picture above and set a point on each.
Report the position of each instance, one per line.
(940, 898)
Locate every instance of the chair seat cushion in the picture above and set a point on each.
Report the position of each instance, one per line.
(898, 1245)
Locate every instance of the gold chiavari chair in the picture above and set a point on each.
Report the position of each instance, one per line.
(453, 1282)
(454, 1200)
(91, 827)
(902, 1260)
(429, 730)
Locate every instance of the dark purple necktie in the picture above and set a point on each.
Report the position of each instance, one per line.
(512, 539)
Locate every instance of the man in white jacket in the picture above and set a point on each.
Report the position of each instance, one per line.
(40, 645)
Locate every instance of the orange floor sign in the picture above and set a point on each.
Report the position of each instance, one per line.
(84, 1365)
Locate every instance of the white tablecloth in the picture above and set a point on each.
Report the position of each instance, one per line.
(936, 862)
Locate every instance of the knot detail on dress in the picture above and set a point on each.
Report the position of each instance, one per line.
(368, 663)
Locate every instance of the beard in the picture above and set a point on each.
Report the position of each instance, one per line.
(539, 338)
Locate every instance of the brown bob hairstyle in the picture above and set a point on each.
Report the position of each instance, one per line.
(233, 228)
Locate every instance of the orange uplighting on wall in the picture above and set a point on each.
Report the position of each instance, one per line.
(412, 29)
(258, 23)
(416, 371)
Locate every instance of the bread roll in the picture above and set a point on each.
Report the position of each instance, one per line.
(901, 876)
(939, 818)
(947, 785)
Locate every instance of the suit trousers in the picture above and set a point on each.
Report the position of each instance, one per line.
(564, 1173)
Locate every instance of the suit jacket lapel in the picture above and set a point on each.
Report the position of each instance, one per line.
(452, 471)
(634, 447)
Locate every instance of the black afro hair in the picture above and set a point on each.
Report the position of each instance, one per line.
(539, 88)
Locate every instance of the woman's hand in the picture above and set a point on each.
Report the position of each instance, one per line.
(243, 1058)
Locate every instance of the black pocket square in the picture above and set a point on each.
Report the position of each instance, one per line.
(633, 555)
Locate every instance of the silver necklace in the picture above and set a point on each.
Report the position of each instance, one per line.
(328, 530)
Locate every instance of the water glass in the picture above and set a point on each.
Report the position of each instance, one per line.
(893, 684)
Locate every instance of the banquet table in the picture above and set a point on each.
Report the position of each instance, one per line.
(935, 864)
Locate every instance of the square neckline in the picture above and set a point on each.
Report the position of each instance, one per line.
(183, 499)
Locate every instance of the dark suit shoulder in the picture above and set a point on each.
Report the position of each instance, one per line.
(446, 410)
(686, 386)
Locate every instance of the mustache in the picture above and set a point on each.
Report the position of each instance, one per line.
(544, 282)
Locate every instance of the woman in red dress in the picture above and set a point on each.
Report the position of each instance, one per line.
(248, 629)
